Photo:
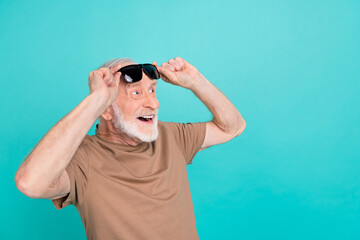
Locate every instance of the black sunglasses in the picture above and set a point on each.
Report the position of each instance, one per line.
(133, 73)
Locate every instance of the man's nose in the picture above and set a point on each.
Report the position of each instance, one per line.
(150, 101)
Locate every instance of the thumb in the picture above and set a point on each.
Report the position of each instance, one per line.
(166, 74)
(116, 78)
(164, 71)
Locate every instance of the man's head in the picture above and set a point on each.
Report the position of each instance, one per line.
(134, 113)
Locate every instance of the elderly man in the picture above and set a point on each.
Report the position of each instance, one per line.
(129, 180)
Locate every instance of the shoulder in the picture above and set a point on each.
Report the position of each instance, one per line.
(169, 126)
(178, 127)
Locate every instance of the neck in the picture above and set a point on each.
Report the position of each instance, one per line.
(107, 131)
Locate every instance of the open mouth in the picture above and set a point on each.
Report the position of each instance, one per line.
(146, 119)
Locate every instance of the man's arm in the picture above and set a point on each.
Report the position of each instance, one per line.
(43, 174)
(227, 121)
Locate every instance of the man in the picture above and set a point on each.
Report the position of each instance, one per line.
(129, 180)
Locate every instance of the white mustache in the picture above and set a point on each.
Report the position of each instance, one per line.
(147, 114)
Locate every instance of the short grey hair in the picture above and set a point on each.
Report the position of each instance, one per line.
(115, 61)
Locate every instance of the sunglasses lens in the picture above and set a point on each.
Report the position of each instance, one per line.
(151, 71)
(131, 73)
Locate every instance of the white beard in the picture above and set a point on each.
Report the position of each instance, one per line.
(131, 129)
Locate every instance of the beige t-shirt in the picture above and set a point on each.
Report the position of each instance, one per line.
(141, 192)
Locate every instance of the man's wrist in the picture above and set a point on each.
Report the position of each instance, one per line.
(198, 83)
(99, 100)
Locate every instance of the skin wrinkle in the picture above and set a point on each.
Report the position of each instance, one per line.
(130, 85)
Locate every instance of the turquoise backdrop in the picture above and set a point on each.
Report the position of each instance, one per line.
(292, 69)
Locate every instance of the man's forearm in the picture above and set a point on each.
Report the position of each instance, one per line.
(225, 115)
(52, 154)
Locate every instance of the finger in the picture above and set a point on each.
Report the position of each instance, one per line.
(164, 72)
(180, 61)
(164, 78)
(155, 64)
(107, 76)
(104, 72)
(115, 69)
(168, 66)
(116, 79)
(175, 64)
(185, 62)
(117, 76)
(98, 74)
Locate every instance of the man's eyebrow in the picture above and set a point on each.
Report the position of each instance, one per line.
(137, 83)
(133, 84)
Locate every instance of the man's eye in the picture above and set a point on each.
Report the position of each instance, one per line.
(152, 90)
(135, 93)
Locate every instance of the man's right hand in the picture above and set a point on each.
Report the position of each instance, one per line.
(105, 81)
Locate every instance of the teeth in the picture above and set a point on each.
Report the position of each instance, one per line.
(149, 116)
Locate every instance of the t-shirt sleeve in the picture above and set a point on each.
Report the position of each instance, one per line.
(77, 170)
(189, 137)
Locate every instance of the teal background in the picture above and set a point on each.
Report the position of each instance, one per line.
(290, 67)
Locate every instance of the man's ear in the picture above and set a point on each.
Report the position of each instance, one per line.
(108, 114)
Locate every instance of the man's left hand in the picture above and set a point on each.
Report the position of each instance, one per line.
(179, 72)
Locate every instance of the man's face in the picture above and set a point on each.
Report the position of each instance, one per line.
(136, 109)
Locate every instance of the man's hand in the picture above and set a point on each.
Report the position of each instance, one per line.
(105, 81)
(179, 72)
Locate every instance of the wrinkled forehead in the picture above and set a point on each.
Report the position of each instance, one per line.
(144, 82)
